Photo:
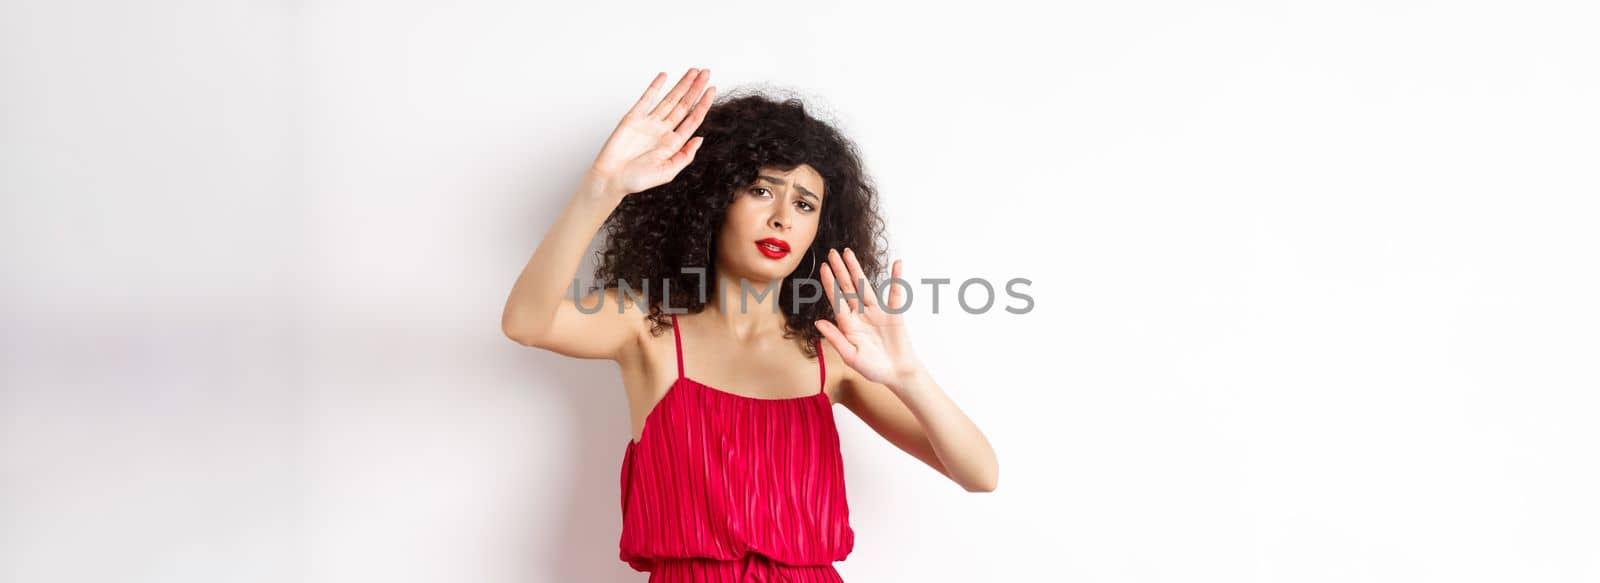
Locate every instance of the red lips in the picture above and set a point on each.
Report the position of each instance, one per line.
(773, 247)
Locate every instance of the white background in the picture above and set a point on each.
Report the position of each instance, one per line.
(1314, 284)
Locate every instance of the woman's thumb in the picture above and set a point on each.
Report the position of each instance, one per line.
(686, 155)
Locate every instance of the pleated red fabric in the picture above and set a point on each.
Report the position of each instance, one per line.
(722, 487)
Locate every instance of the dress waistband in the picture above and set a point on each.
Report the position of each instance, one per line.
(751, 568)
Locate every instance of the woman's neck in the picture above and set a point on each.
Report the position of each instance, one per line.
(745, 312)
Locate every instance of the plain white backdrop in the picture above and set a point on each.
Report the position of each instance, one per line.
(1314, 284)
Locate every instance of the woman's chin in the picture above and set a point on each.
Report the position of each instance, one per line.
(760, 274)
(771, 274)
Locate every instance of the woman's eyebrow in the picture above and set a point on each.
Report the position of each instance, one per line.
(781, 182)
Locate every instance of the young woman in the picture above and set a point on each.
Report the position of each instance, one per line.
(732, 471)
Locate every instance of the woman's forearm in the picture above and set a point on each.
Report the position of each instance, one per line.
(968, 458)
(550, 272)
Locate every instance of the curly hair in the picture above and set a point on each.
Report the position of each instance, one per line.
(653, 235)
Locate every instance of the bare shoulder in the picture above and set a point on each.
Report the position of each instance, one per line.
(839, 375)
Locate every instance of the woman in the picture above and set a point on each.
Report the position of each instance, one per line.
(732, 471)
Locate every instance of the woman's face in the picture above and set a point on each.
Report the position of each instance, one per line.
(781, 208)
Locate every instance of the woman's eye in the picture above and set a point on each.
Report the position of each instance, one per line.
(764, 191)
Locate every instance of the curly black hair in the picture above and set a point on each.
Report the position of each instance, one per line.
(654, 234)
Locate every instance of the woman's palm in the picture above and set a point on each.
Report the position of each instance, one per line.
(650, 146)
(871, 339)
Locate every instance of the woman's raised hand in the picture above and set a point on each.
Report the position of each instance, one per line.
(651, 145)
(872, 340)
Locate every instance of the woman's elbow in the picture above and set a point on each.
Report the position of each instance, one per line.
(521, 330)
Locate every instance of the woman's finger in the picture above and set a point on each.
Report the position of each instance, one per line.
(896, 297)
(843, 314)
(827, 288)
(869, 296)
(847, 286)
(685, 155)
(691, 123)
(847, 351)
(649, 93)
(669, 102)
(687, 102)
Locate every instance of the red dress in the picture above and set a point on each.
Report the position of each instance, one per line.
(723, 487)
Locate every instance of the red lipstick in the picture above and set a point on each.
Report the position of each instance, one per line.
(773, 247)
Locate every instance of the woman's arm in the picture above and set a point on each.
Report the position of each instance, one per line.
(540, 311)
(648, 148)
(917, 416)
(887, 386)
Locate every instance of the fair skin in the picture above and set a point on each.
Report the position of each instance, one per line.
(871, 367)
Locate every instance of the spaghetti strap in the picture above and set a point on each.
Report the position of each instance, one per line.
(677, 340)
(822, 367)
